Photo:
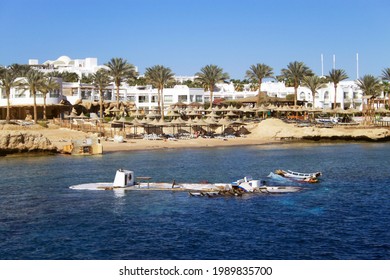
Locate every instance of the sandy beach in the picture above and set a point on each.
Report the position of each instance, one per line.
(269, 131)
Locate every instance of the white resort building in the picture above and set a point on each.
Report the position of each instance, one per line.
(145, 97)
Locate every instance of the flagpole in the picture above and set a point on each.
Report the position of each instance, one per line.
(357, 66)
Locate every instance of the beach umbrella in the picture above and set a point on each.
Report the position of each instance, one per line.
(232, 108)
(190, 123)
(137, 113)
(152, 115)
(144, 121)
(382, 110)
(172, 114)
(222, 109)
(82, 116)
(200, 121)
(327, 111)
(192, 114)
(162, 122)
(352, 111)
(122, 121)
(211, 121)
(154, 122)
(73, 115)
(212, 114)
(115, 110)
(225, 122)
(178, 122)
(107, 111)
(231, 114)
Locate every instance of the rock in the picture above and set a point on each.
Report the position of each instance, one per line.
(277, 129)
(16, 142)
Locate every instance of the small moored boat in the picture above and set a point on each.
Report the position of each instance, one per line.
(297, 175)
(248, 185)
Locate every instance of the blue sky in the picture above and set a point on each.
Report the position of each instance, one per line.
(187, 35)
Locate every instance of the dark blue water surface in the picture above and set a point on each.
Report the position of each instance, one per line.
(345, 216)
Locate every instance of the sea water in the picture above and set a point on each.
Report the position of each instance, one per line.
(345, 216)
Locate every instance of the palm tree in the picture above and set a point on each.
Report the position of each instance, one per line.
(49, 84)
(20, 69)
(314, 83)
(386, 77)
(370, 85)
(210, 75)
(295, 72)
(159, 76)
(7, 81)
(257, 73)
(120, 70)
(101, 80)
(34, 81)
(336, 76)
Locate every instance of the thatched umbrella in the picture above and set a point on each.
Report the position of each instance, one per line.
(123, 121)
(231, 114)
(82, 116)
(212, 114)
(135, 124)
(153, 115)
(115, 111)
(192, 114)
(225, 122)
(178, 122)
(172, 114)
(138, 114)
(382, 110)
(262, 110)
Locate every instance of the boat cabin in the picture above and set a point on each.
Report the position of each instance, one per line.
(123, 178)
(247, 184)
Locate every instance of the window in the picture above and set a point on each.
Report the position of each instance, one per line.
(326, 95)
(86, 94)
(75, 91)
(20, 93)
(54, 93)
(154, 99)
(143, 99)
(199, 98)
(183, 98)
(107, 95)
(131, 98)
(168, 98)
(302, 95)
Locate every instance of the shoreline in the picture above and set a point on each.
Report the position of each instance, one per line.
(122, 147)
(267, 132)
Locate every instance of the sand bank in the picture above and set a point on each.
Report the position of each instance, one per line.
(269, 131)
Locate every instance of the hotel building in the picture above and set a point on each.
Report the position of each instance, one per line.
(145, 97)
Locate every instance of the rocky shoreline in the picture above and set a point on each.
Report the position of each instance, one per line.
(346, 138)
(35, 139)
(14, 142)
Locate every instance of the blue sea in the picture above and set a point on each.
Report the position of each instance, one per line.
(345, 216)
